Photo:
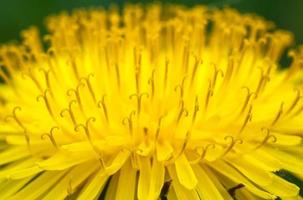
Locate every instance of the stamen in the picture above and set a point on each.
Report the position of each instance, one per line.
(243, 53)
(118, 75)
(50, 135)
(198, 61)
(137, 77)
(137, 56)
(229, 71)
(196, 109)
(46, 74)
(279, 114)
(14, 116)
(102, 104)
(76, 92)
(203, 154)
(159, 127)
(186, 55)
(106, 54)
(248, 97)
(139, 100)
(217, 71)
(72, 61)
(86, 130)
(137, 59)
(46, 101)
(166, 73)
(263, 80)
(27, 139)
(247, 119)
(295, 102)
(33, 78)
(70, 112)
(210, 93)
(151, 82)
(129, 120)
(183, 111)
(90, 88)
(232, 143)
(181, 87)
(267, 137)
(185, 142)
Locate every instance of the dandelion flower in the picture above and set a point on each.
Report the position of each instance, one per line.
(151, 102)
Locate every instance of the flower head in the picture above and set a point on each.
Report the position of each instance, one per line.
(153, 102)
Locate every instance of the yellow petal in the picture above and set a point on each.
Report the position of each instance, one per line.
(287, 140)
(292, 126)
(231, 173)
(296, 150)
(144, 178)
(217, 183)
(185, 172)
(102, 145)
(16, 166)
(13, 154)
(180, 191)
(264, 161)
(245, 195)
(10, 187)
(19, 140)
(118, 161)
(38, 186)
(93, 186)
(164, 151)
(71, 181)
(63, 160)
(289, 162)
(157, 180)
(255, 174)
(112, 187)
(127, 177)
(26, 172)
(207, 189)
(281, 187)
(293, 198)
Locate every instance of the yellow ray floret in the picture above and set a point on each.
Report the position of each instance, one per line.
(151, 102)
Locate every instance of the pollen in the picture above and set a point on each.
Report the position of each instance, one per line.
(151, 102)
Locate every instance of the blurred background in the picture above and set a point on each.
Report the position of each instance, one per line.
(16, 15)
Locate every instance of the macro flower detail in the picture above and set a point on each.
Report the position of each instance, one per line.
(151, 102)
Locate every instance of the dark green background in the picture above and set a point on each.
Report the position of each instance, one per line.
(16, 15)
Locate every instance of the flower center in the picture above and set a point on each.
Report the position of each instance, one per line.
(162, 91)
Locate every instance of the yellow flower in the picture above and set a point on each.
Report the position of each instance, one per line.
(155, 102)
